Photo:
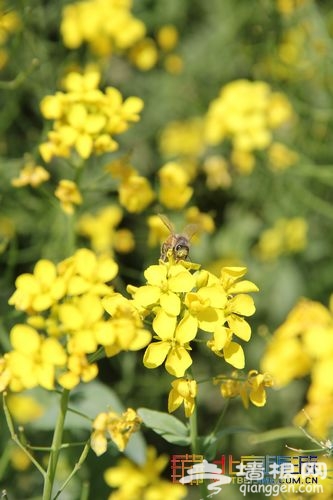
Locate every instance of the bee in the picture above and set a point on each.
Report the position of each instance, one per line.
(179, 244)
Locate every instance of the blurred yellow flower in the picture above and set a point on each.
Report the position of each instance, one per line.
(286, 236)
(174, 191)
(135, 193)
(38, 291)
(281, 157)
(69, 195)
(246, 113)
(144, 54)
(173, 64)
(182, 138)
(118, 427)
(34, 359)
(31, 174)
(167, 37)
(184, 391)
(102, 232)
(78, 369)
(217, 174)
(143, 481)
(106, 25)
(24, 408)
(19, 459)
(85, 272)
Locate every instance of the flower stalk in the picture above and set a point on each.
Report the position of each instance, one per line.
(56, 446)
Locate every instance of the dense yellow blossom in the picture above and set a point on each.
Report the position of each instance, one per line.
(143, 482)
(85, 118)
(246, 113)
(182, 303)
(118, 427)
(303, 345)
(106, 25)
(66, 321)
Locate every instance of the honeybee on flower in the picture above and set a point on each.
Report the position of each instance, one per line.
(177, 245)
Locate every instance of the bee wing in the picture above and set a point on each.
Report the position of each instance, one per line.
(190, 230)
(167, 223)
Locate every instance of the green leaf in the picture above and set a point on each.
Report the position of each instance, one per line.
(167, 426)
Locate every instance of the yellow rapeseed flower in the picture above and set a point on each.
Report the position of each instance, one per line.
(124, 330)
(31, 174)
(106, 25)
(143, 481)
(85, 118)
(34, 359)
(174, 190)
(135, 193)
(183, 391)
(38, 291)
(164, 284)
(69, 195)
(118, 427)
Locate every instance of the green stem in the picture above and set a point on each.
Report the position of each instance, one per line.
(15, 438)
(194, 431)
(77, 467)
(56, 446)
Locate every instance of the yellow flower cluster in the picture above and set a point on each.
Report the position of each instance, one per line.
(102, 232)
(246, 113)
(118, 427)
(303, 344)
(285, 237)
(86, 118)
(106, 25)
(181, 304)
(135, 191)
(143, 481)
(252, 389)
(31, 175)
(66, 307)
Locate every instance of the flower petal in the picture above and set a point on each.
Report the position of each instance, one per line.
(155, 354)
(170, 302)
(177, 362)
(164, 325)
(234, 355)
